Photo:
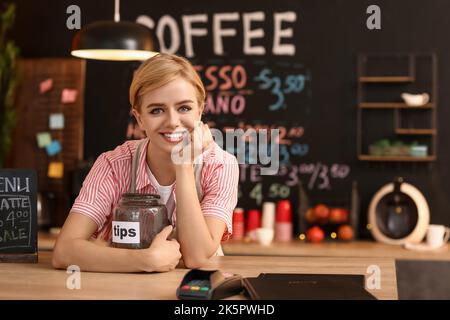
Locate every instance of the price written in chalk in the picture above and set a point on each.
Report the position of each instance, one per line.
(275, 191)
(15, 218)
(287, 135)
(295, 149)
(281, 86)
(319, 175)
(12, 217)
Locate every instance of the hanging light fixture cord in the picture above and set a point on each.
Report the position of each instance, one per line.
(116, 11)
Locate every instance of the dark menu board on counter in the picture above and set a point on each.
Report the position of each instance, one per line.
(18, 215)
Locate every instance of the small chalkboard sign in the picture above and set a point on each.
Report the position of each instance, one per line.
(18, 215)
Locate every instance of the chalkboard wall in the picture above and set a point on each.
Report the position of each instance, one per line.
(318, 111)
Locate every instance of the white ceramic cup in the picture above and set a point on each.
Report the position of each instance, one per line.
(264, 236)
(437, 235)
(415, 100)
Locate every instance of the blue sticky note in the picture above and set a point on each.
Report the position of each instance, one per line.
(53, 148)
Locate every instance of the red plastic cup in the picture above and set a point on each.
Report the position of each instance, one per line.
(283, 221)
(253, 220)
(238, 224)
(238, 215)
(284, 211)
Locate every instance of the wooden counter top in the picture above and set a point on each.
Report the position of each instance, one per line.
(304, 249)
(334, 249)
(46, 241)
(41, 281)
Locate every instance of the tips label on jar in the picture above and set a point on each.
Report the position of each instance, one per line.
(125, 232)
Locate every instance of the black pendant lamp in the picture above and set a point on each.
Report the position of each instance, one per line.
(114, 40)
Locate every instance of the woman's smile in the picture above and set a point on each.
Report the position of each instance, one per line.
(174, 137)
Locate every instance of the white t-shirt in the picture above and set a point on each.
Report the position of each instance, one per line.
(163, 191)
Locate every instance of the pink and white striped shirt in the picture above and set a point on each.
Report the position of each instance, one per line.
(110, 177)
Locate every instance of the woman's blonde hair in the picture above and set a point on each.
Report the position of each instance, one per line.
(159, 71)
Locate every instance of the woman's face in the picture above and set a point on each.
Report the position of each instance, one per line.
(169, 112)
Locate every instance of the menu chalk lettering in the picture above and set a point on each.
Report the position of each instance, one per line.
(18, 215)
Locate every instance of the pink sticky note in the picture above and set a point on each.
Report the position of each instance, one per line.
(69, 95)
(45, 85)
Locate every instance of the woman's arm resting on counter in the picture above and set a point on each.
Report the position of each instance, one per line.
(199, 236)
(73, 247)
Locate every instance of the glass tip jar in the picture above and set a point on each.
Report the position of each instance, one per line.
(137, 219)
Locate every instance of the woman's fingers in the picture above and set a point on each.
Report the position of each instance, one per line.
(200, 138)
(207, 137)
(194, 144)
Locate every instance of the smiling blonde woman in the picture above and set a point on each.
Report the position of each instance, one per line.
(167, 98)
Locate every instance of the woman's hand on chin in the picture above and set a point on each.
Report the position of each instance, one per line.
(194, 143)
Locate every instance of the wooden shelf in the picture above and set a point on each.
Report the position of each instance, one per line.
(416, 131)
(365, 157)
(396, 109)
(387, 79)
(393, 105)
